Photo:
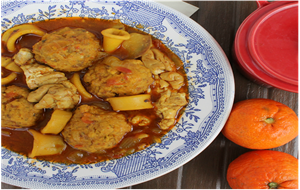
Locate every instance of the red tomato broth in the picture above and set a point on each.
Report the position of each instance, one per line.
(15, 141)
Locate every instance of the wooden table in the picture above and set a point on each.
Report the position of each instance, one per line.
(208, 170)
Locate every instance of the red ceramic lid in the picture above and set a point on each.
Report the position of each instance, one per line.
(266, 45)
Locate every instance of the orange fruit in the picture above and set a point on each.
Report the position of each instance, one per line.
(263, 169)
(261, 124)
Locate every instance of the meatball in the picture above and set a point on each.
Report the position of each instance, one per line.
(16, 111)
(93, 129)
(68, 49)
(111, 76)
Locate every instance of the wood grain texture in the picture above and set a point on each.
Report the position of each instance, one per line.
(208, 170)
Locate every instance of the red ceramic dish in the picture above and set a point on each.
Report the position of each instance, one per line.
(266, 45)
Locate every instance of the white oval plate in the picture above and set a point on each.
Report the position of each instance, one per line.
(211, 88)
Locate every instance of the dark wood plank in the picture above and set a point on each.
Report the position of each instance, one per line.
(7, 186)
(168, 181)
(208, 170)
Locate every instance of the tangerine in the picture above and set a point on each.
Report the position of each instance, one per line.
(263, 169)
(261, 124)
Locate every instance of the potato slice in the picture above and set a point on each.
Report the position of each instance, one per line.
(44, 145)
(58, 121)
(135, 47)
(136, 102)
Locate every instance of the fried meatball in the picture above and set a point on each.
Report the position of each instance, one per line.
(68, 49)
(93, 129)
(16, 111)
(111, 76)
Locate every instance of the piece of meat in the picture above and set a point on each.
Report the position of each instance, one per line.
(38, 75)
(168, 63)
(168, 105)
(151, 63)
(61, 95)
(175, 79)
(140, 120)
(37, 95)
(16, 111)
(157, 62)
(23, 56)
(163, 84)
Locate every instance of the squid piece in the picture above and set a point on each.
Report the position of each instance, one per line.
(14, 67)
(5, 61)
(175, 79)
(9, 64)
(9, 78)
(58, 121)
(136, 102)
(113, 38)
(77, 83)
(11, 35)
(44, 145)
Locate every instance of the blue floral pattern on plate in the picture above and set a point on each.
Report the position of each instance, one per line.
(211, 93)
